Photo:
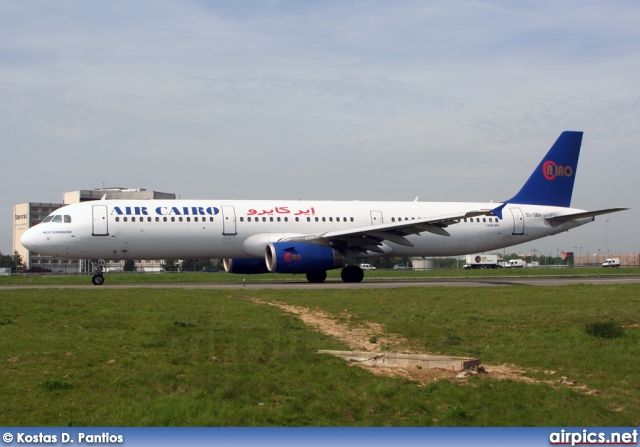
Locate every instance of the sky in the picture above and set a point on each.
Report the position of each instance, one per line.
(323, 100)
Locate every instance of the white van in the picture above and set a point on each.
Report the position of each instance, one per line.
(516, 263)
(612, 262)
(367, 267)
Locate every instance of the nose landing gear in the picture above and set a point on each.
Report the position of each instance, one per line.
(98, 273)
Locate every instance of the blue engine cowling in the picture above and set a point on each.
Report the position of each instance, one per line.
(301, 257)
(245, 266)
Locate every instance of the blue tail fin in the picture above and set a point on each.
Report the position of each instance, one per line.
(552, 181)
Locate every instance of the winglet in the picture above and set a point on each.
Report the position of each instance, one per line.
(552, 181)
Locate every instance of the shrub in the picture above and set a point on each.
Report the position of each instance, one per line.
(604, 329)
(453, 339)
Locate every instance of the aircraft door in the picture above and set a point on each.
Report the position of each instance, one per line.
(376, 218)
(100, 221)
(518, 221)
(228, 220)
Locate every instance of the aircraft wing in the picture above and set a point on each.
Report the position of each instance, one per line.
(371, 236)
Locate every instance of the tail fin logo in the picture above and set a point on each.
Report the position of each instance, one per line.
(550, 170)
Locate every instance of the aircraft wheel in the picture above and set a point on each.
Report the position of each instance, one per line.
(352, 273)
(97, 280)
(317, 276)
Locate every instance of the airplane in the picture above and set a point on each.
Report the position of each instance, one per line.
(311, 237)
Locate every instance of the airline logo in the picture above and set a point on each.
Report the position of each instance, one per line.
(288, 257)
(165, 211)
(551, 170)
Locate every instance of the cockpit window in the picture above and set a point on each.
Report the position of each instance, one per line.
(58, 218)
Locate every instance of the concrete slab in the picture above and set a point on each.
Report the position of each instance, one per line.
(394, 359)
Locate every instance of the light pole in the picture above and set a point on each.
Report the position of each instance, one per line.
(606, 239)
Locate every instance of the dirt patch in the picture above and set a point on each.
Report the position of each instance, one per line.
(361, 338)
(356, 338)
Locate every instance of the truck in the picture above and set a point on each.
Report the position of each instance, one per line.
(482, 262)
(516, 263)
(611, 262)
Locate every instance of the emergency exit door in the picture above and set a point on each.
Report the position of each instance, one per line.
(518, 221)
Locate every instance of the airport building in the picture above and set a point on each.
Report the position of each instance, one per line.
(26, 215)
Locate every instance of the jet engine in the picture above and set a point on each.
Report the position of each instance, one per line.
(301, 257)
(245, 266)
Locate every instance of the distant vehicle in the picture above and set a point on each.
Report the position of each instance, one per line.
(516, 263)
(402, 267)
(367, 267)
(209, 269)
(482, 262)
(612, 262)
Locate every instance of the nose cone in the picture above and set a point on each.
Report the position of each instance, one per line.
(30, 238)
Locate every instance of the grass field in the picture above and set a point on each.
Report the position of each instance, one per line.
(171, 357)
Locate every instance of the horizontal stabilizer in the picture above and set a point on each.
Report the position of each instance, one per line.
(575, 216)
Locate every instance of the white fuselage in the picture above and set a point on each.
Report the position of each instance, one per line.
(201, 229)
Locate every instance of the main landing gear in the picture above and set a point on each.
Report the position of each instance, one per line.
(351, 273)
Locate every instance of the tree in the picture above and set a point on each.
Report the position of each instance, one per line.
(189, 265)
(170, 265)
(4, 260)
(17, 262)
(13, 262)
(129, 266)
